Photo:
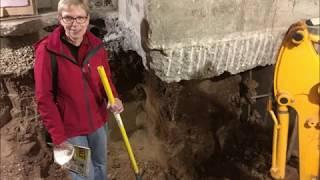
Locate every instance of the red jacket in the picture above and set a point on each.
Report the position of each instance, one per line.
(80, 106)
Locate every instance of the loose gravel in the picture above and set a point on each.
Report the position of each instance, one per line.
(16, 61)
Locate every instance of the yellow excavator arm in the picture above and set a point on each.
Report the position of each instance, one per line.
(297, 84)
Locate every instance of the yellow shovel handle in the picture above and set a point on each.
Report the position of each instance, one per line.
(106, 84)
(107, 88)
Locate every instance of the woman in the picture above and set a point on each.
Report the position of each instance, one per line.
(74, 111)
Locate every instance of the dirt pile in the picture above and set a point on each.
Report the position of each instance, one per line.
(24, 153)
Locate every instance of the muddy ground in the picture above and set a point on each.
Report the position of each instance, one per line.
(198, 129)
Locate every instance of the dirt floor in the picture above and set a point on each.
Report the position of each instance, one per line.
(178, 131)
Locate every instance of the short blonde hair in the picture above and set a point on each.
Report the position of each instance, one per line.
(66, 3)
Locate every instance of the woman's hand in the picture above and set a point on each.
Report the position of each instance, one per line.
(117, 107)
(63, 146)
(63, 153)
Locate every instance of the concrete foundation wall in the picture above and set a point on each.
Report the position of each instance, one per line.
(195, 39)
(194, 20)
(235, 53)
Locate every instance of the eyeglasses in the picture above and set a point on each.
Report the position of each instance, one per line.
(79, 19)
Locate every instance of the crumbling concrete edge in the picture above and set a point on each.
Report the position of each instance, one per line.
(234, 53)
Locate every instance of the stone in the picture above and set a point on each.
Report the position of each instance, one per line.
(183, 40)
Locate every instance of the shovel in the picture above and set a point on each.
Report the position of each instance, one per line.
(117, 116)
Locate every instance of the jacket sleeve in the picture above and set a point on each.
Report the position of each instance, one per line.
(47, 108)
(106, 66)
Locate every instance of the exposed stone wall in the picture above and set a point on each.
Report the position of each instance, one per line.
(15, 92)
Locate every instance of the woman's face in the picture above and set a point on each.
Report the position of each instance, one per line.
(75, 21)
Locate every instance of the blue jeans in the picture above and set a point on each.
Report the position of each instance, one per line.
(97, 142)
